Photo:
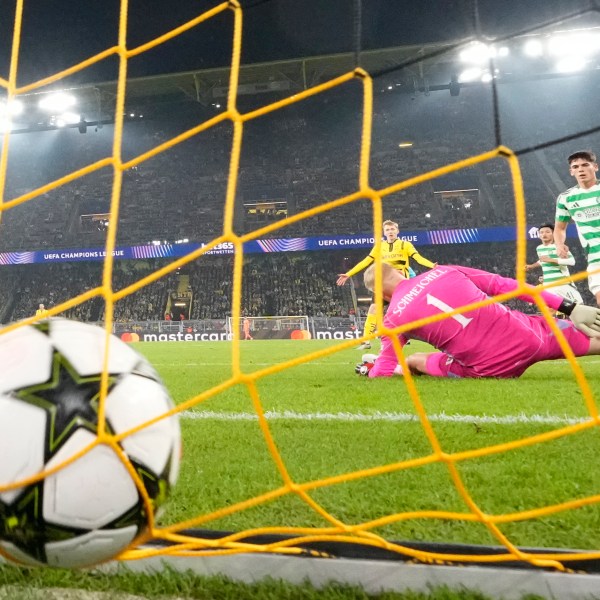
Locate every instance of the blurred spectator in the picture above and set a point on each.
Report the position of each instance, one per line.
(310, 157)
(294, 283)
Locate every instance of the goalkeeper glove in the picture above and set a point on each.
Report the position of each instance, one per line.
(363, 368)
(585, 318)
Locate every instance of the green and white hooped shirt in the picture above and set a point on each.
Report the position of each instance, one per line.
(583, 206)
(552, 271)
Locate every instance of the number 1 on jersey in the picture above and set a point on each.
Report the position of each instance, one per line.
(433, 301)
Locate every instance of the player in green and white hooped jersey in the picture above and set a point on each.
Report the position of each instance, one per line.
(582, 204)
(554, 268)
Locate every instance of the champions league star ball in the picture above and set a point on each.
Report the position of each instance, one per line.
(91, 509)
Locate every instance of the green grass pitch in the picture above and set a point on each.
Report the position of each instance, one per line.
(326, 421)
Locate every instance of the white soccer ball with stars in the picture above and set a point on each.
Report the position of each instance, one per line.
(91, 509)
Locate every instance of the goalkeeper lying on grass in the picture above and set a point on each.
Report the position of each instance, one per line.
(492, 341)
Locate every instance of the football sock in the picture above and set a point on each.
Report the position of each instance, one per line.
(370, 324)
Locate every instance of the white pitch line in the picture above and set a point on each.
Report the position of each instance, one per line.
(559, 362)
(290, 415)
(204, 363)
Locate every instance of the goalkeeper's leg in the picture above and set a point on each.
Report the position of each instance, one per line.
(429, 363)
(370, 326)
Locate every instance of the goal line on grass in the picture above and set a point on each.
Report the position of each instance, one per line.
(402, 417)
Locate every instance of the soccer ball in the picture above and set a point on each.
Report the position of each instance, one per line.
(91, 509)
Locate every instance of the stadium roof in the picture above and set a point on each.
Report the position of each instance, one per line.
(411, 69)
(96, 102)
(294, 75)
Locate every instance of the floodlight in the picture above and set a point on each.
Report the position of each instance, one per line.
(64, 119)
(470, 74)
(15, 107)
(581, 43)
(570, 64)
(486, 77)
(57, 102)
(477, 53)
(533, 48)
(560, 45)
(12, 108)
(68, 117)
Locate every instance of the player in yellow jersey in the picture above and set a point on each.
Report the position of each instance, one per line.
(41, 312)
(396, 253)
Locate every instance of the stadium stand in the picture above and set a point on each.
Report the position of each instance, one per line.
(300, 162)
(299, 283)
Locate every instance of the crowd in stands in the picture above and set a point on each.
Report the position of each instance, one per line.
(50, 285)
(300, 283)
(211, 280)
(23, 287)
(301, 156)
(276, 284)
(298, 157)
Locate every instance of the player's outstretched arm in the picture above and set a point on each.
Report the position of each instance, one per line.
(363, 264)
(493, 284)
(423, 261)
(585, 318)
(567, 262)
(560, 237)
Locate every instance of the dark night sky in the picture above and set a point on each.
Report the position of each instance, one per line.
(59, 34)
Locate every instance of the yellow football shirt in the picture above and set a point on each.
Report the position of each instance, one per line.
(397, 254)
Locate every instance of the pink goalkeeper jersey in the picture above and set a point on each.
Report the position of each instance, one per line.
(491, 341)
